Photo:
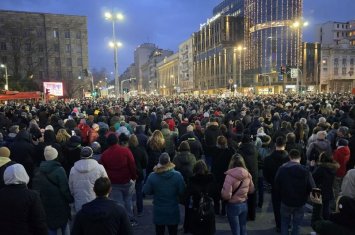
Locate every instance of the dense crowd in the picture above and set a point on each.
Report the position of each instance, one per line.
(85, 166)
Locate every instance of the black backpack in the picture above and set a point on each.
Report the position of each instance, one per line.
(205, 207)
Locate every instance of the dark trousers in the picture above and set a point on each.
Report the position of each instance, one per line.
(139, 196)
(326, 209)
(276, 205)
(260, 191)
(251, 206)
(160, 229)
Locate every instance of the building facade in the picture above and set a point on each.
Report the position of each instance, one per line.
(39, 47)
(332, 32)
(128, 79)
(229, 7)
(272, 36)
(311, 58)
(337, 67)
(168, 75)
(186, 60)
(215, 54)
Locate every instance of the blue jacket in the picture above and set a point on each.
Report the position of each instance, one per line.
(294, 183)
(166, 185)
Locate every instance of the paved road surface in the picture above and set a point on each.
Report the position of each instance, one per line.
(264, 224)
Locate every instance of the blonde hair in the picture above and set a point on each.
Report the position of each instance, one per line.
(156, 141)
(133, 141)
(237, 161)
(62, 136)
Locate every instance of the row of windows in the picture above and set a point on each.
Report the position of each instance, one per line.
(67, 34)
(344, 71)
(58, 74)
(29, 47)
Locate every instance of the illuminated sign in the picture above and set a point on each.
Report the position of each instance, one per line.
(54, 88)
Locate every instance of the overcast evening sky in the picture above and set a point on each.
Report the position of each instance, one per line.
(165, 23)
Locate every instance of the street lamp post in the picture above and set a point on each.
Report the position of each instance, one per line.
(6, 76)
(113, 17)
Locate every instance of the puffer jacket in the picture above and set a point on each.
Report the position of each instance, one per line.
(342, 155)
(234, 177)
(82, 179)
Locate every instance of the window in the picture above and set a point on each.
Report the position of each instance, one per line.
(40, 48)
(56, 47)
(41, 61)
(336, 71)
(55, 33)
(338, 26)
(69, 74)
(4, 59)
(27, 46)
(344, 61)
(68, 62)
(57, 75)
(67, 34)
(78, 49)
(26, 33)
(343, 71)
(68, 48)
(79, 61)
(78, 35)
(325, 69)
(41, 75)
(351, 61)
(57, 61)
(336, 62)
(3, 46)
(39, 33)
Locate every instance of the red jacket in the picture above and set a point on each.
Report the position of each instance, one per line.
(341, 155)
(119, 164)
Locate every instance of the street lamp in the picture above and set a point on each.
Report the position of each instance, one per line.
(113, 18)
(6, 76)
(240, 49)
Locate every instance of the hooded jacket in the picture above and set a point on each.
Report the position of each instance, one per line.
(323, 176)
(184, 163)
(102, 216)
(235, 177)
(4, 163)
(82, 179)
(342, 156)
(166, 185)
(348, 185)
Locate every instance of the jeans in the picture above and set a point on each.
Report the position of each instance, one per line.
(139, 196)
(160, 229)
(288, 215)
(122, 194)
(237, 217)
(64, 230)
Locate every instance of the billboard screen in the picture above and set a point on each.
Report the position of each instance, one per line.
(55, 88)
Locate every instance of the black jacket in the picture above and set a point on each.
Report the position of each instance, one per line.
(210, 138)
(324, 175)
(293, 182)
(272, 164)
(21, 212)
(141, 158)
(250, 155)
(199, 184)
(220, 161)
(102, 216)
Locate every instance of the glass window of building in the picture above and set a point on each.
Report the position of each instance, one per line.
(68, 62)
(343, 71)
(57, 61)
(68, 48)
(336, 61)
(29, 60)
(67, 34)
(336, 71)
(41, 75)
(70, 74)
(27, 46)
(40, 48)
(3, 46)
(55, 33)
(351, 61)
(57, 75)
(4, 59)
(344, 61)
(39, 33)
(41, 61)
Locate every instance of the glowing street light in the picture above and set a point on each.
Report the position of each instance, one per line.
(6, 77)
(240, 49)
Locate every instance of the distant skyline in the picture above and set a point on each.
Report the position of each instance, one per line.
(166, 23)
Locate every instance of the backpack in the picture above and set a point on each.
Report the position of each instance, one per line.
(205, 208)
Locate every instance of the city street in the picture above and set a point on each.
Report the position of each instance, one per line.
(264, 224)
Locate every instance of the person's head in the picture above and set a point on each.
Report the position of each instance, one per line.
(62, 136)
(164, 125)
(343, 131)
(112, 139)
(156, 141)
(294, 155)
(50, 153)
(95, 127)
(236, 161)
(96, 147)
(284, 124)
(133, 141)
(280, 142)
(86, 152)
(189, 128)
(123, 139)
(222, 142)
(15, 174)
(200, 168)
(164, 159)
(102, 187)
(184, 146)
(342, 142)
(5, 152)
(291, 137)
(321, 135)
(325, 157)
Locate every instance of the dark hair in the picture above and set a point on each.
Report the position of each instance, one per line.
(280, 141)
(200, 168)
(324, 157)
(291, 137)
(184, 146)
(102, 186)
(294, 154)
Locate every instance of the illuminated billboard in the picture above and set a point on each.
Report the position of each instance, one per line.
(54, 88)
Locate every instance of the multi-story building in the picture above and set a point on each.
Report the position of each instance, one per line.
(186, 73)
(273, 36)
(38, 47)
(229, 7)
(149, 70)
(128, 79)
(337, 67)
(168, 75)
(215, 53)
(332, 32)
(351, 33)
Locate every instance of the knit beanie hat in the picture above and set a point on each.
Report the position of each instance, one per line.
(86, 152)
(4, 152)
(164, 159)
(50, 153)
(343, 142)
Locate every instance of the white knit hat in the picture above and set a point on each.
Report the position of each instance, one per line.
(50, 153)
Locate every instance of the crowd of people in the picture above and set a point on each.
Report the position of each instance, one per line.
(85, 166)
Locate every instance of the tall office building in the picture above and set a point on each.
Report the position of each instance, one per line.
(39, 47)
(271, 36)
(229, 7)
